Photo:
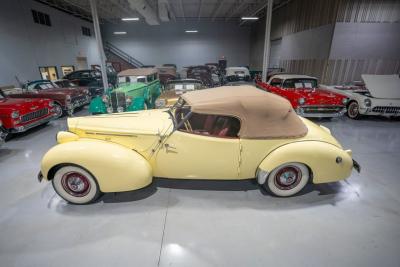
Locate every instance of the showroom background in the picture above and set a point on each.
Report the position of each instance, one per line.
(335, 41)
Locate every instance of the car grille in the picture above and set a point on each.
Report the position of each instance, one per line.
(79, 99)
(118, 100)
(34, 115)
(388, 110)
(322, 109)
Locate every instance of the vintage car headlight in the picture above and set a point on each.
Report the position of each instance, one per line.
(367, 102)
(129, 100)
(109, 110)
(160, 103)
(68, 98)
(302, 101)
(15, 114)
(105, 99)
(120, 109)
(345, 101)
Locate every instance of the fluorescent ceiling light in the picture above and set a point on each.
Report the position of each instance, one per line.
(130, 19)
(249, 18)
(119, 32)
(191, 31)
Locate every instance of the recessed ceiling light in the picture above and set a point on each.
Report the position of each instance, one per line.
(249, 18)
(130, 19)
(119, 32)
(191, 31)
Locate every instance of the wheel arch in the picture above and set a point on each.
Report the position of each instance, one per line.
(115, 167)
(319, 157)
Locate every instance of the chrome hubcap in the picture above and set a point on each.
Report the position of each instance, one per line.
(288, 177)
(75, 184)
(353, 110)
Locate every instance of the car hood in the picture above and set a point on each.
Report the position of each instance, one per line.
(22, 104)
(146, 122)
(382, 86)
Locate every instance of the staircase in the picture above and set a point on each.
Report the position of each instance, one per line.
(114, 54)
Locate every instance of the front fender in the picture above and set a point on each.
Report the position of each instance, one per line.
(115, 167)
(97, 105)
(320, 157)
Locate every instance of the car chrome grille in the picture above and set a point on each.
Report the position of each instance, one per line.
(386, 109)
(118, 100)
(34, 115)
(79, 99)
(322, 109)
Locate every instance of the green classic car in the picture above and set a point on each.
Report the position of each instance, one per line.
(137, 89)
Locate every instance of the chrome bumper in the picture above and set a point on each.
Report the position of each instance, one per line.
(26, 127)
(303, 113)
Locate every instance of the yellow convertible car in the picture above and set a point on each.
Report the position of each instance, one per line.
(225, 133)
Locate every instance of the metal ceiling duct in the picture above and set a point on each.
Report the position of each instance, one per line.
(145, 10)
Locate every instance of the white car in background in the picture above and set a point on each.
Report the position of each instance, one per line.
(234, 74)
(379, 96)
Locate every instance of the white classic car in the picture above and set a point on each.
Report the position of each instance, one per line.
(233, 74)
(379, 96)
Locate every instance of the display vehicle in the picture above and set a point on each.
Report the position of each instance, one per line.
(21, 114)
(66, 100)
(233, 74)
(92, 79)
(174, 89)
(137, 89)
(202, 73)
(379, 96)
(166, 73)
(306, 97)
(225, 133)
(64, 83)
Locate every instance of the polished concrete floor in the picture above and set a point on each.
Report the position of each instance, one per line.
(184, 223)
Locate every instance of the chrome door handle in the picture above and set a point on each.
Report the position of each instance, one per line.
(168, 146)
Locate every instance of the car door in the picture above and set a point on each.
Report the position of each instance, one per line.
(196, 155)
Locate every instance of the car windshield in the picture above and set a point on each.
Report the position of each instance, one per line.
(132, 79)
(300, 83)
(43, 86)
(181, 88)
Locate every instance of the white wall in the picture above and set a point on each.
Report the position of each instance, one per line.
(168, 43)
(25, 45)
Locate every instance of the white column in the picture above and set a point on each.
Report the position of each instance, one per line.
(267, 43)
(97, 33)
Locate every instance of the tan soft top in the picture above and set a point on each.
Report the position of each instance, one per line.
(137, 72)
(262, 115)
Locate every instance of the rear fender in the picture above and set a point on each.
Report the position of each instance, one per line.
(327, 162)
(115, 167)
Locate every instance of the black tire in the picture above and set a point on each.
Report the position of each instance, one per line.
(59, 110)
(76, 185)
(353, 110)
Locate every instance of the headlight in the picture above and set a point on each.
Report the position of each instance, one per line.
(109, 110)
(302, 101)
(15, 115)
(68, 98)
(367, 102)
(160, 103)
(51, 104)
(345, 101)
(86, 91)
(105, 99)
(120, 109)
(129, 100)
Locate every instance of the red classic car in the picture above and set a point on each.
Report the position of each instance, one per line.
(20, 114)
(306, 98)
(66, 100)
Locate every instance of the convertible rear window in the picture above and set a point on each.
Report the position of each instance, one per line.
(211, 125)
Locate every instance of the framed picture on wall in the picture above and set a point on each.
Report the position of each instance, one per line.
(48, 73)
(67, 69)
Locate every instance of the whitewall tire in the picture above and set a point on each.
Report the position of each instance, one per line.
(287, 179)
(353, 110)
(76, 185)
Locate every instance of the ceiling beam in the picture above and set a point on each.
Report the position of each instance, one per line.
(183, 11)
(216, 10)
(84, 9)
(255, 12)
(235, 8)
